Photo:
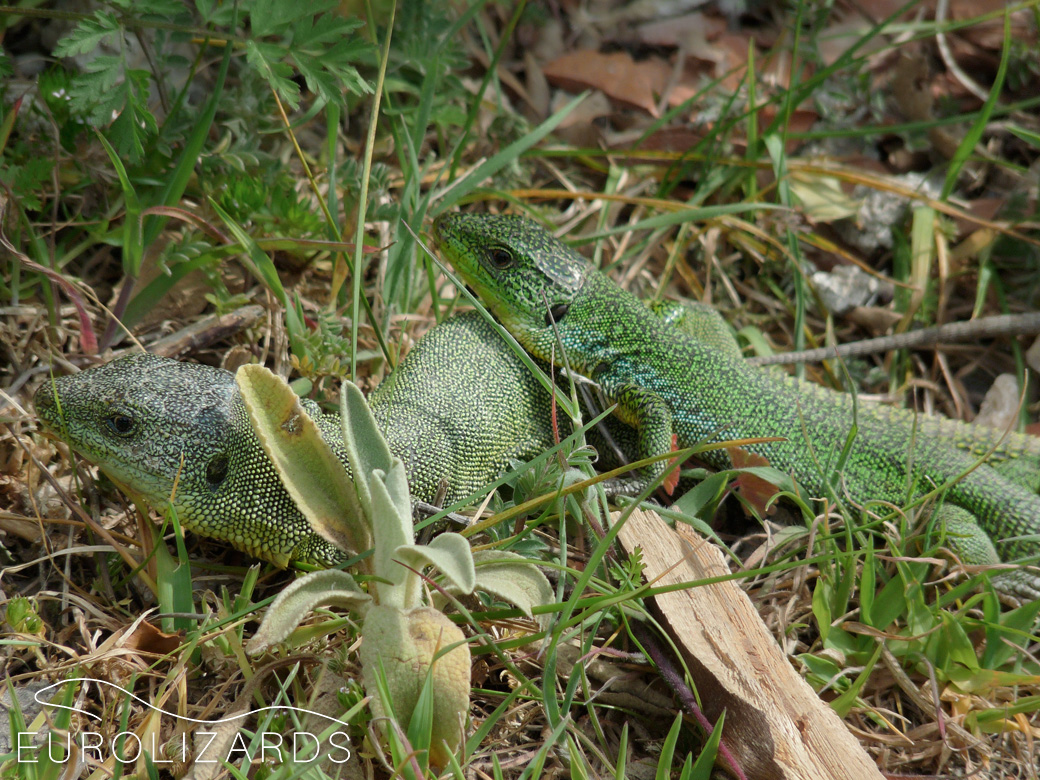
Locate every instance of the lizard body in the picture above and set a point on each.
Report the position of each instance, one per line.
(668, 383)
(458, 409)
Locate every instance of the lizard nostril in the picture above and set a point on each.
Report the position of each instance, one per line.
(556, 313)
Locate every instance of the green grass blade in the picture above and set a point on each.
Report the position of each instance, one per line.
(704, 765)
(133, 244)
(366, 172)
(263, 269)
(664, 761)
(974, 134)
(460, 188)
(178, 179)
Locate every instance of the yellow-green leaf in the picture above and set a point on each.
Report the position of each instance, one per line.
(309, 469)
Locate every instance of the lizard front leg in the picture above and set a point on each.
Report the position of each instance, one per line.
(651, 416)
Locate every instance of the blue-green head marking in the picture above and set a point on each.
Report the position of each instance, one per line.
(518, 269)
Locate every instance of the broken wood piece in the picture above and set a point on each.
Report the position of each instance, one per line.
(776, 725)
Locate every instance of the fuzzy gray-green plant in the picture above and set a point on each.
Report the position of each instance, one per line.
(406, 642)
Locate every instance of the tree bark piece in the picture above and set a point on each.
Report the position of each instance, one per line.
(776, 725)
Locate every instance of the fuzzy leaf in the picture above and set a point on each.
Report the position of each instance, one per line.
(366, 448)
(329, 588)
(392, 527)
(450, 553)
(309, 469)
(396, 481)
(513, 578)
(409, 647)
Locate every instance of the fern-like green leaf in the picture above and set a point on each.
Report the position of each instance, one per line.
(275, 17)
(322, 46)
(107, 93)
(266, 59)
(169, 10)
(319, 80)
(89, 34)
(135, 123)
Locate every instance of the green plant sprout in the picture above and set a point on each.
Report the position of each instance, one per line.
(408, 642)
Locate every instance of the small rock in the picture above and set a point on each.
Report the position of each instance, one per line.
(847, 287)
(1000, 406)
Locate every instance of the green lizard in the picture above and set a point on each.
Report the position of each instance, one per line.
(459, 408)
(680, 389)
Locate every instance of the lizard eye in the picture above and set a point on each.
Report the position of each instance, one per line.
(216, 470)
(120, 424)
(501, 258)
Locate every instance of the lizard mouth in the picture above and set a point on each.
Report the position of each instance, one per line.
(49, 422)
(45, 430)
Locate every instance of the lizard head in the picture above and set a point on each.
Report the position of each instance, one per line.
(147, 422)
(177, 434)
(173, 433)
(518, 269)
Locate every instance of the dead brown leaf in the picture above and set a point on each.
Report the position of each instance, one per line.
(145, 639)
(755, 490)
(617, 75)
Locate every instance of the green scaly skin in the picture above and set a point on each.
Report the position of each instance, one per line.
(459, 408)
(665, 381)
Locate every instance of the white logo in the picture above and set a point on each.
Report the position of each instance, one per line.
(213, 746)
